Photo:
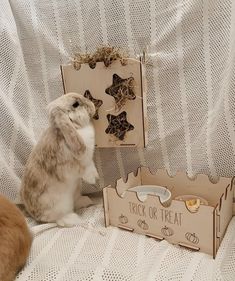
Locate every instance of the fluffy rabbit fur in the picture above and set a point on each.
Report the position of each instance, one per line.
(15, 240)
(63, 155)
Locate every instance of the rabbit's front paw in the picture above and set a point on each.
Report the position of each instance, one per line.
(91, 175)
(89, 179)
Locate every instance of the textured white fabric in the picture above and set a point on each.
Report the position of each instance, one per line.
(191, 112)
(93, 252)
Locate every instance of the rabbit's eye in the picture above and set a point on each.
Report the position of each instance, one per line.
(76, 104)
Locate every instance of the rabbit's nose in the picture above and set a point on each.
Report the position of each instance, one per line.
(76, 104)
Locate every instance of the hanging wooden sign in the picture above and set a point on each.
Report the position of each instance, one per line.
(119, 94)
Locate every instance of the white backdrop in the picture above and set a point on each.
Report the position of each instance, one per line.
(191, 79)
(191, 111)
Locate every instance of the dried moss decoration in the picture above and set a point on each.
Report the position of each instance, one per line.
(96, 102)
(79, 59)
(108, 55)
(121, 90)
(104, 54)
(118, 125)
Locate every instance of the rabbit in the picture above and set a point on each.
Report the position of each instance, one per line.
(15, 240)
(63, 154)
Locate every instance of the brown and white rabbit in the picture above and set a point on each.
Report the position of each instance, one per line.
(15, 240)
(63, 155)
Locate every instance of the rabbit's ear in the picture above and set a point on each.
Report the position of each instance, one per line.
(91, 110)
(90, 107)
(62, 121)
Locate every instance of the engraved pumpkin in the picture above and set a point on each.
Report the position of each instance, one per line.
(167, 231)
(142, 224)
(123, 219)
(191, 237)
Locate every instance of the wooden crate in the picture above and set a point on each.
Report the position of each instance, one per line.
(97, 80)
(200, 231)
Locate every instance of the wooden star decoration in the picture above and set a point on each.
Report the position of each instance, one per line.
(118, 125)
(96, 102)
(121, 90)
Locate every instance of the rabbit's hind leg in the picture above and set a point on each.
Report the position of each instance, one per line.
(58, 205)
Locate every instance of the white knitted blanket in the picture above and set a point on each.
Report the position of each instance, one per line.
(191, 112)
(93, 252)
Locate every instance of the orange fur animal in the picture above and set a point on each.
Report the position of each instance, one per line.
(15, 240)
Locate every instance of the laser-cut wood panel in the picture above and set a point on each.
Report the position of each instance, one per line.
(133, 114)
(202, 230)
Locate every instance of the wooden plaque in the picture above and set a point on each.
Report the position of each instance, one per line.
(96, 81)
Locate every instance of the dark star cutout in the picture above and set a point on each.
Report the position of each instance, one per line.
(121, 90)
(96, 102)
(118, 125)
